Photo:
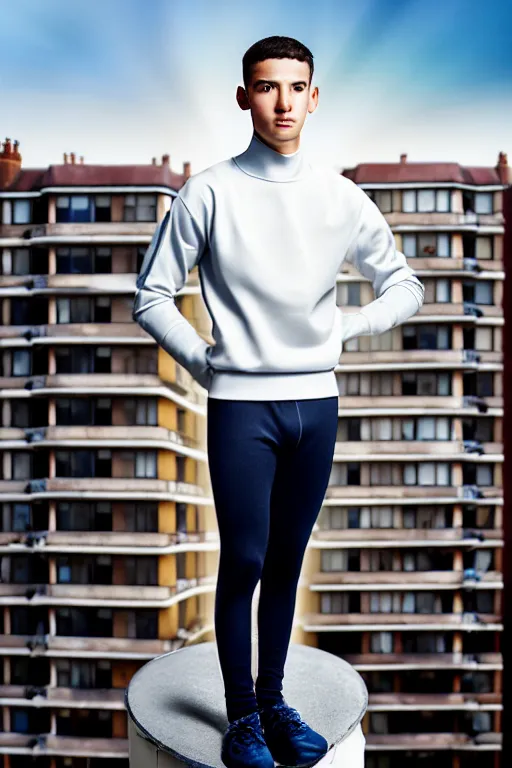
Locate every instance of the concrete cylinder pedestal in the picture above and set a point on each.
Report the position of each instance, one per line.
(176, 707)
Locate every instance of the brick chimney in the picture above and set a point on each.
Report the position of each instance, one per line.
(186, 170)
(65, 156)
(10, 163)
(72, 157)
(503, 169)
(166, 160)
(403, 159)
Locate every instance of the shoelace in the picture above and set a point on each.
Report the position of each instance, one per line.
(246, 733)
(280, 718)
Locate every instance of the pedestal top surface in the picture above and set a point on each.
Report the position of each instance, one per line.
(177, 700)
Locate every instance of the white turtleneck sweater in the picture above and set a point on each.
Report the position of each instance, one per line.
(269, 233)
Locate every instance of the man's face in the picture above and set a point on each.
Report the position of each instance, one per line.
(279, 90)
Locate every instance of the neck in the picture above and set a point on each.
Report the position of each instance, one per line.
(263, 162)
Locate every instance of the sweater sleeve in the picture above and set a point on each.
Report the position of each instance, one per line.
(175, 249)
(399, 292)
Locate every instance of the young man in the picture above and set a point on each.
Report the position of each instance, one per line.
(269, 232)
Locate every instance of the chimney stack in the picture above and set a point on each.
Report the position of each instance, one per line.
(504, 169)
(72, 157)
(166, 160)
(186, 170)
(10, 163)
(65, 156)
(403, 159)
(153, 161)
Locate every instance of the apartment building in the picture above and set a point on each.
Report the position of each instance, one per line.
(404, 570)
(108, 543)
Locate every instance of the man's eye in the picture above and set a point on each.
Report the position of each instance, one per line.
(298, 87)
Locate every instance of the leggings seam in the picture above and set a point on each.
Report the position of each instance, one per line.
(300, 422)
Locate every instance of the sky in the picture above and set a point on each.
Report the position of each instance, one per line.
(122, 81)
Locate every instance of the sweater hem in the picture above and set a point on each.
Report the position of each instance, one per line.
(229, 385)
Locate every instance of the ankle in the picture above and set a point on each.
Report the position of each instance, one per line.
(236, 714)
(268, 700)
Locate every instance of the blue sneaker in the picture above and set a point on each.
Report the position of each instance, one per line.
(243, 744)
(290, 740)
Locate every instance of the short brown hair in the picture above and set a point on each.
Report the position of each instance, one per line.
(275, 47)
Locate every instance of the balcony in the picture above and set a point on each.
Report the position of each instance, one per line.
(57, 646)
(374, 622)
(413, 405)
(68, 746)
(104, 595)
(428, 702)
(409, 580)
(407, 449)
(400, 662)
(87, 231)
(82, 331)
(48, 696)
(104, 487)
(394, 359)
(131, 434)
(454, 742)
(404, 493)
(113, 542)
(376, 537)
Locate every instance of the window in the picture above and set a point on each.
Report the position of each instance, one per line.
(74, 208)
(437, 290)
(426, 383)
(21, 465)
(483, 292)
(484, 247)
(383, 199)
(84, 309)
(79, 260)
(20, 261)
(145, 464)
(426, 336)
(484, 339)
(141, 410)
(21, 362)
(426, 244)
(426, 200)
(339, 602)
(381, 642)
(20, 517)
(22, 212)
(427, 473)
(334, 560)
(349, 294)
(140, 208)
(483, 202)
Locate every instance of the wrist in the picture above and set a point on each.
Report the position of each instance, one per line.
(355, 324)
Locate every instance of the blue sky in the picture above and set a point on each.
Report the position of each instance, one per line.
(121, 81)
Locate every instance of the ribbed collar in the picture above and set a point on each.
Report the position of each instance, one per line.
(263, 162)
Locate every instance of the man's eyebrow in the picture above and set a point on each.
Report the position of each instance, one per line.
(274, 82)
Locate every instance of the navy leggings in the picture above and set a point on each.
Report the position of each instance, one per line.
(269, 463)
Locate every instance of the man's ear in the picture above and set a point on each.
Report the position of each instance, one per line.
(241, 97)
(313, 100)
